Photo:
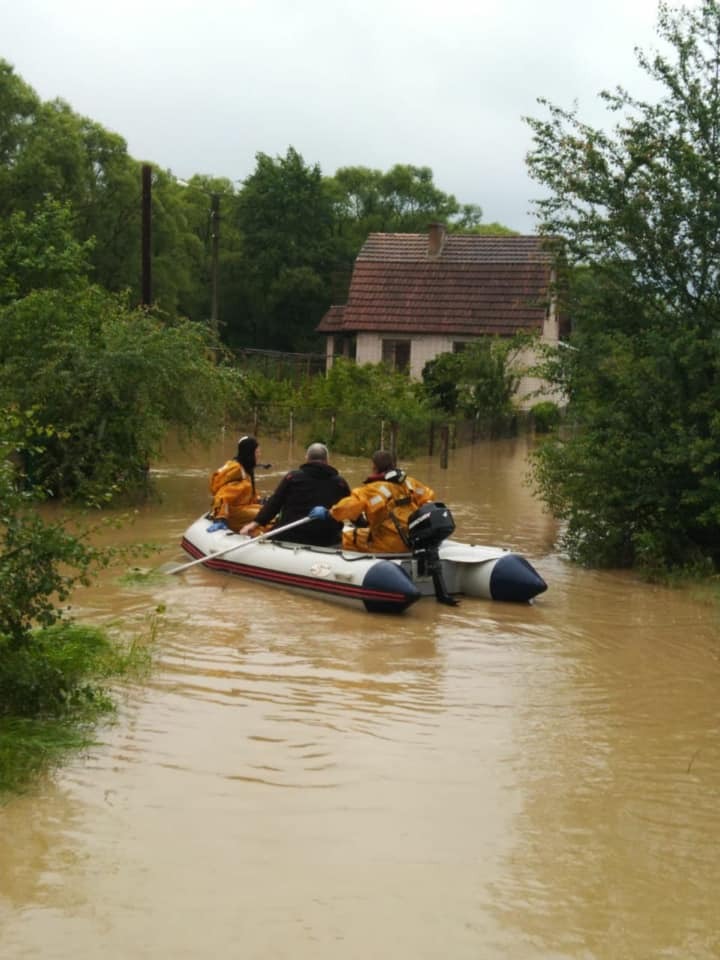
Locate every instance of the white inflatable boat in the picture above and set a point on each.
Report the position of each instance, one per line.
(382, 583)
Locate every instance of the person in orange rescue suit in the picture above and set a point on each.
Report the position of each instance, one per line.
(235, 501)
(387, 498)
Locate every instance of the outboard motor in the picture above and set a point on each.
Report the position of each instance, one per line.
(427, 528)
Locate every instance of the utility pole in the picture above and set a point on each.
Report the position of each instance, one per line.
(214, 251)
(146, 267)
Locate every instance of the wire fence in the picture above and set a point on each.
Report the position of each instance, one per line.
(357, 434)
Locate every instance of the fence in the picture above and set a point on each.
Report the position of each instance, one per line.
(281, 365)
(356, 434)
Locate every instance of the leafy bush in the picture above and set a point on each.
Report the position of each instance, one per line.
(360, 398)
(109, 379)
(545, 416)
(479, 383)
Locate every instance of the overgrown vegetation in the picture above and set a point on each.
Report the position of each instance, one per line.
(108, 378)
(546, 416)
(636, 217)
(51, 670)
(478, 383)
(353, 404)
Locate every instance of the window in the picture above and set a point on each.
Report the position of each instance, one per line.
(459, 346)
(396, 353)
(344, 346)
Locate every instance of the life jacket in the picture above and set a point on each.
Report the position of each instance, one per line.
(387, 501)
(230, 472)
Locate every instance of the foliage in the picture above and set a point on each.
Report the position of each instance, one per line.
(545, 416)
(40, 251)
(52, 691)
(40, 562)
(478, 383)
(403, 199)
(286, 240)
(352, 401)
(285, 217)
(636, 217)
(48, 673)
(50, 668)
(110, 380)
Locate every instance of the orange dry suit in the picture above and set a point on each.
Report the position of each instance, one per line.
(234, 497)
(387, 500)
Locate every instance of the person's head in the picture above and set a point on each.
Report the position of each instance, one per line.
(317, 453)
(383, 461)
(247, 453)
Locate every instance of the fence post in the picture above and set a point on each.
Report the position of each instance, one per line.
(431, 439)
(332, 428)
(255, 421)
(382, 434)
(444, 439)
(292, 426)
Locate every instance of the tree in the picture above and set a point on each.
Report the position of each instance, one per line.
(359, 397)
(635, 214)
(105, 380)
(479, 383)
(403, 199)
(285, 216)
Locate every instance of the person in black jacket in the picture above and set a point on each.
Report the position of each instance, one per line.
(314, 483)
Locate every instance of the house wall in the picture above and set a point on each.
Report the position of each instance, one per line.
(424, 347)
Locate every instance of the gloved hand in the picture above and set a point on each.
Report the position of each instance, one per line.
(319, 513)
(217, 525)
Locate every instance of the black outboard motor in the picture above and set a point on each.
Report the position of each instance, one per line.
(427, 528)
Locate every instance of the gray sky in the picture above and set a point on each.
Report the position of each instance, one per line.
(201, 87)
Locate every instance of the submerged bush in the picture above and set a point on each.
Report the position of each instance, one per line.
(545, 416)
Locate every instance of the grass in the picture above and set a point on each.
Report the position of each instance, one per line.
(54, 690)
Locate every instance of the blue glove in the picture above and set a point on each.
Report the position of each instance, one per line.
(217, 525)
(319, 513)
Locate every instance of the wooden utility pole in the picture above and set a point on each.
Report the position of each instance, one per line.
(146, 265)
(215, 249)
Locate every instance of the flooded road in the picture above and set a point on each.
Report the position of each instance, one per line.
(301, 780)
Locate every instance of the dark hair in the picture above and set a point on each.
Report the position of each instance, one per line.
(246, 456)
(383, 460)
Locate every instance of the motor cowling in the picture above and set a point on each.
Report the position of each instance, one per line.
(429, 525)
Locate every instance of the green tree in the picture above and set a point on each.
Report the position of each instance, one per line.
(360, 397)
(403, 199)
(105, 380)
(636, 217)
(479, 383)
(285, 216)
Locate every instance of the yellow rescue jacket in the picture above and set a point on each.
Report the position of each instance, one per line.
(387, 503)
(234, 499)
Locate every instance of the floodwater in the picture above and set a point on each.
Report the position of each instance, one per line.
(300, 780)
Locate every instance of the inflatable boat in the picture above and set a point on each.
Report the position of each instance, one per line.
(379, 583)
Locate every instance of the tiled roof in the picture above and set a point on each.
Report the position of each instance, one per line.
(475, 285)
(333, 320)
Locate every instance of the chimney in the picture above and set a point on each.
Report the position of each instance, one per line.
(436, 239)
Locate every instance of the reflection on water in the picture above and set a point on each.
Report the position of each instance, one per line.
(298, 779)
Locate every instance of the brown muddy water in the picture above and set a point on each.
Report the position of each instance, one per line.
(301, 780)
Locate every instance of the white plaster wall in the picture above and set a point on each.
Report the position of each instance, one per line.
(424, 347)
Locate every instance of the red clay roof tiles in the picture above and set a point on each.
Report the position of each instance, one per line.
(476, 285)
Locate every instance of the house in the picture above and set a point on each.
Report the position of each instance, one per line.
(413, 296)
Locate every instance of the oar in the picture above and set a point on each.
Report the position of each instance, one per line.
(241, 546)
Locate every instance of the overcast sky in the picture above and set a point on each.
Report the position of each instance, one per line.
(201, 87)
